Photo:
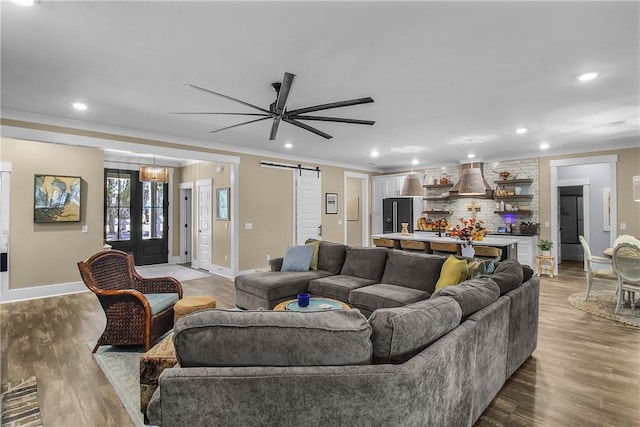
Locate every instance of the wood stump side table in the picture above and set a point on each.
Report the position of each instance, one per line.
(152, 363)
(540, 259)
(192, 304)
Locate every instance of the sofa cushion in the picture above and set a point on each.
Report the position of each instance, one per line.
(527, 273)
(383, 295)
(367, 263)
(272, 338)
(338, 287)
(412, 270)
(400, 333)
(471, 295)
(274, 285)
(508, 275)
(330, 256)
(297, 258)
(453, 271)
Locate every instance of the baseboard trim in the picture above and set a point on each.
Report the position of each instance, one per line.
(222, 271)
(44, 291)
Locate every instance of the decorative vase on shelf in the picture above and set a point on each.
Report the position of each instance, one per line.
(468, 251)
(405, 229)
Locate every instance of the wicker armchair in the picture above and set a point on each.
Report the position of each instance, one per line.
(138, 310)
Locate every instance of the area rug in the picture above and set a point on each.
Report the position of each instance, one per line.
(121, 365)
(179, 272)
(20, 405)
(603, 304)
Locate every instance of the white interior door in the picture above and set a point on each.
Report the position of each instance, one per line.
(204, 224)
(308, 205)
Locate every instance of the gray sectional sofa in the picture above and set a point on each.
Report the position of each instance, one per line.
(435, 362)
(366, 278)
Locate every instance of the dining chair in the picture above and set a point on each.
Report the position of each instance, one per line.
(626, 262)
(592, 273)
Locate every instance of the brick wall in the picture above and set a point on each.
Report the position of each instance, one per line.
(520, 168)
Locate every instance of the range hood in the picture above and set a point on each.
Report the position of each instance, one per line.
(453, 192)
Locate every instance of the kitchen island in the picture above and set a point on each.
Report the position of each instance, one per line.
(508, 246)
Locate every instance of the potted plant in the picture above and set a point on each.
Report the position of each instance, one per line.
(545, 246)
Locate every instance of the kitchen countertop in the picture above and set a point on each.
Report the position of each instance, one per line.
(421, 237)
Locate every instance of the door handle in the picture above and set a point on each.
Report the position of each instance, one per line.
(320, 230)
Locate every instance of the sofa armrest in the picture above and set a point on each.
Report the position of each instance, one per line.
(276, 263)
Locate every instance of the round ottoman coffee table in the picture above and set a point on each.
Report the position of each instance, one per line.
(192, 304)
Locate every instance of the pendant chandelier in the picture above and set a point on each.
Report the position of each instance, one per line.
(412, 185)
(154, 173)
(471, 183)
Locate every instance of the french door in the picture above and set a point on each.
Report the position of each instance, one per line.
(136, 216)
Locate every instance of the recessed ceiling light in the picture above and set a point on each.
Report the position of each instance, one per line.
(374, 153)
(414, 161)
(521, 130)
(79, 106)
(544, 146)
(471, 155)
(587, 76)
(23, 2)
(288, 145)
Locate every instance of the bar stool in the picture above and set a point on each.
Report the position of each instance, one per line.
(411, 245)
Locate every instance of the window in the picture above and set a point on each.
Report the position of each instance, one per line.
(152, 210)
(118, 206)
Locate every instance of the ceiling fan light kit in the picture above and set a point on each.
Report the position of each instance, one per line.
(278, 112)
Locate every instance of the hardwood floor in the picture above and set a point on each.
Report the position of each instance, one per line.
(585, 371)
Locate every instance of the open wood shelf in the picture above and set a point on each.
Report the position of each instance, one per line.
(514, 197)
(436, 186)
(518, 212)
(513, 181)
(437, 212)
(434, 199)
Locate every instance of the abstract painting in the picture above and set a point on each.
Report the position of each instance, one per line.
(56, 198)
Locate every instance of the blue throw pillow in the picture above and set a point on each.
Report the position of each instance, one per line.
(297, 258)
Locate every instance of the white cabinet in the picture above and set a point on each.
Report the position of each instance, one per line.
(393, 186)
(526, 248)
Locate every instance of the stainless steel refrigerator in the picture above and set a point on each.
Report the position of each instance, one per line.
(395, 211)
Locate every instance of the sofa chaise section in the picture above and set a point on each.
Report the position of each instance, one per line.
(267, 289)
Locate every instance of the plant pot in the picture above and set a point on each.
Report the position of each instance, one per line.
(545, 253)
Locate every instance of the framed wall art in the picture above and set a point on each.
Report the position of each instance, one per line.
(331, 203)
(56, 198)
(222, 204)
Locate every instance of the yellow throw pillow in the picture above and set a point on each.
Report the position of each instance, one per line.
(314, 258)
(453, 272)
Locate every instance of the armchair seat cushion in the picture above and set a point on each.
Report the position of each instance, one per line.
(383, 295)
(159, 302)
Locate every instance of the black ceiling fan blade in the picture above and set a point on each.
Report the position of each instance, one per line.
(283, 93)
(239, 124)
(230, 98)
(332, 119)
(307, 127)
(338, 104)
(274, 128)
(232, 114)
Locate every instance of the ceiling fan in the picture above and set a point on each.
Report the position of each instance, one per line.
(278, 110)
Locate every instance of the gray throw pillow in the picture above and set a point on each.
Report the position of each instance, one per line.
(366, 263)
(297, 258)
